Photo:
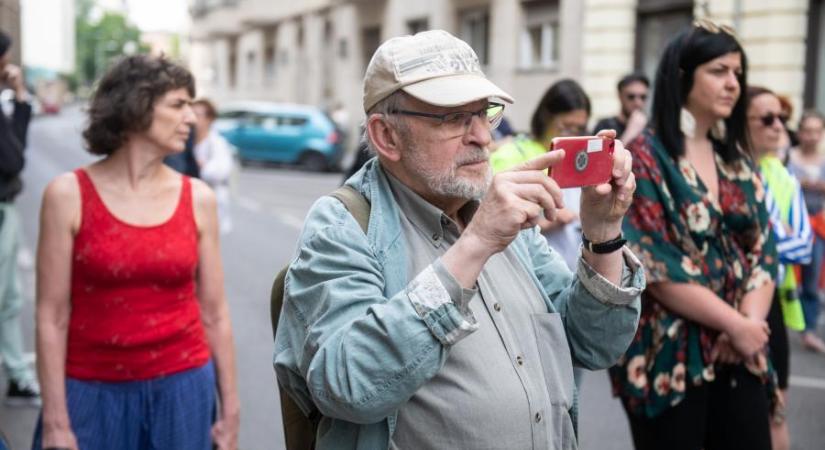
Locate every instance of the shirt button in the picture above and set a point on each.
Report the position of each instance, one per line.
(436, 236)
(497, 306)
(538, 417)
(520, 360)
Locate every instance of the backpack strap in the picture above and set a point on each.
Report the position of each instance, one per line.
(355, 203)
(301, 431)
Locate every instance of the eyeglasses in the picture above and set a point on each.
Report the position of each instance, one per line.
(713, 27)
(633, 97)
(457, 123)
(770, 118)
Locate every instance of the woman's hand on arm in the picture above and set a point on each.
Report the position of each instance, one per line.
(699, 304)
(215, 316)
(59, 220)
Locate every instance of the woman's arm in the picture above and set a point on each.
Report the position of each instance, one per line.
(215, 315)
(59, 220)
(699, 304)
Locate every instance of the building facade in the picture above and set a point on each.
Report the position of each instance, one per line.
(316, 51)
(10, 24)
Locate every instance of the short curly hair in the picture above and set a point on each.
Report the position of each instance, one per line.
(125, 96)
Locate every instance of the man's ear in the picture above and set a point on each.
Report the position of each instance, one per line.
(384, 138)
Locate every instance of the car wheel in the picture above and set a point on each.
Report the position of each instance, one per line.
(313, 161)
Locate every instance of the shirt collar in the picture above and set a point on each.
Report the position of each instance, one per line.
(424, 215)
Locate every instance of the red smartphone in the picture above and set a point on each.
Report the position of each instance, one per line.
(588, 161)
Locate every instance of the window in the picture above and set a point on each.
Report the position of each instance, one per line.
(657, 22)
(370, 40)
(270, 52)
(251, 61)
(475, 26)
(233, 61)
(294, 121)
(417, 25)
(539, 47)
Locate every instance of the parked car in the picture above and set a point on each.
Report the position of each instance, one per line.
(281, 133)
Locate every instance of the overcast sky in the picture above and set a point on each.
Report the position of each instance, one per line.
(158, 15)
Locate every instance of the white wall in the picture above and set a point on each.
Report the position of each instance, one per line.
(48, 34)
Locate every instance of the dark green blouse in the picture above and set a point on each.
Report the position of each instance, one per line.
(683, 235)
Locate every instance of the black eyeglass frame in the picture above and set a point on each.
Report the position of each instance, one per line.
(494, 120)
(633, 97)
(770, 118)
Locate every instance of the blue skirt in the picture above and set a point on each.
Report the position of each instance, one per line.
(171, 412)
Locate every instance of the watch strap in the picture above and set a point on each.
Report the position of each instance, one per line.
(602, 248)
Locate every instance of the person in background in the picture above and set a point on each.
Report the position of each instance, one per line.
(214, 157)
(133, 327)
(563, 111)
(808, 165)
(23, 389)
(633, 91)
(788, 139)
(184, 162)
(792, 230)
(696, 376)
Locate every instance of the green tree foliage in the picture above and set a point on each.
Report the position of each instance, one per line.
(101, 39)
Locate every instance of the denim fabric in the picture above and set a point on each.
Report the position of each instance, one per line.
(175, 412)
(810, 285)
(352, 344)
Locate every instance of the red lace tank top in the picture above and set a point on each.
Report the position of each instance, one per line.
(135, 313)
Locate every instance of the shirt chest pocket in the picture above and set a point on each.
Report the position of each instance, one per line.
(556, 362)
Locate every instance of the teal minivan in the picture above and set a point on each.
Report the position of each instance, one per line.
(281, 133)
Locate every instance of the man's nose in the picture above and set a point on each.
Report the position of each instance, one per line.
(478, 131)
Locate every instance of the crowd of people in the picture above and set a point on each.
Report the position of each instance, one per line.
(463, 312)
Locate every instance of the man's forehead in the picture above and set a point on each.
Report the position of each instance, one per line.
(634, 85)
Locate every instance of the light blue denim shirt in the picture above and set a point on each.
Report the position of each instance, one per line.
(357, 338)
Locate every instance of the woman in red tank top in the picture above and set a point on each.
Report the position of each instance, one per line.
(133, 329)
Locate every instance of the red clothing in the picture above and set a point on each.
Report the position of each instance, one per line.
(135, 313)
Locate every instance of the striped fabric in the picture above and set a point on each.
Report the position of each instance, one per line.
(794, 247)
(175, 412)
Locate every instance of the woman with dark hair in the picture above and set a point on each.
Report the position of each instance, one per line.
(792, 230)
(695, 375)
(563, 111)
(133, 330)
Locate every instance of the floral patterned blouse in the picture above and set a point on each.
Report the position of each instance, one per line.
(683, 235)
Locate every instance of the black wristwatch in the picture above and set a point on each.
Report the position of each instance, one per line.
(604, 247)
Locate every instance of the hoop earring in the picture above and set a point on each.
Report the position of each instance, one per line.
(687, 123)
(718, 130)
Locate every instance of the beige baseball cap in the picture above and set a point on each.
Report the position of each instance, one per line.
(432, 66)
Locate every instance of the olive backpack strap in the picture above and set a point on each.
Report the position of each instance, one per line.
(300, 430)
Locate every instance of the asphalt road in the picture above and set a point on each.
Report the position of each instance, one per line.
(268, 209)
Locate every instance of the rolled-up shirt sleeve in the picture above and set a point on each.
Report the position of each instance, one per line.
(442, 303)
(603, 290)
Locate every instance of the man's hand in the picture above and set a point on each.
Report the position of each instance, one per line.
(636, 123)
(13, 77)
(517, 199)
(603, 207)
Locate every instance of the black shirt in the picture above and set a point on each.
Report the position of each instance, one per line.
(12, 145)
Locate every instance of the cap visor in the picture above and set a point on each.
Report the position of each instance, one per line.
(455, 90)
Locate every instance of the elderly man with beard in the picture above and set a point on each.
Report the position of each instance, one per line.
(450, 323)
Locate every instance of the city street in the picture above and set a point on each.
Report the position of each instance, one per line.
(268, 209)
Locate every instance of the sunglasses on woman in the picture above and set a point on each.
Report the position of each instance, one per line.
(770, 118)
